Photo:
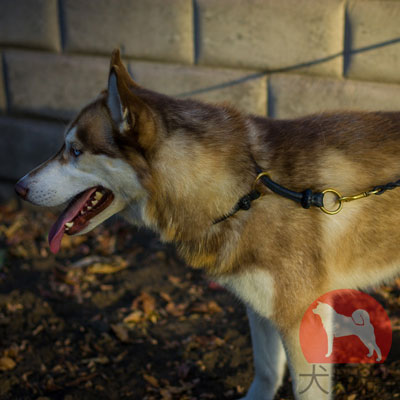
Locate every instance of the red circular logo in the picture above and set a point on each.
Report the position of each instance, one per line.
(345, 326)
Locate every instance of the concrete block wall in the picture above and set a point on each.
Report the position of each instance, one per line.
(280, 59)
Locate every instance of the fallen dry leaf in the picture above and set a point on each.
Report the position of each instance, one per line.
(121, 332)
(37, 330)
(176, 310)
(14, 307)
(81, 379)
(240, 389)
(153, 381)
(12, 351)
(11, 230)
(213, 307)
(166, 296)
(134, 317)
(70, 242)
(174, 279)
(144, 302)
(120, 356)
(199, 308)
(165, 394)
(103, 268)
(85, 262)
(7, 363)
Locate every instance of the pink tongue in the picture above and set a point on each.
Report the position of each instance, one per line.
(57, 230)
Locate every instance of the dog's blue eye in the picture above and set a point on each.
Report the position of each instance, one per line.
(76, 152)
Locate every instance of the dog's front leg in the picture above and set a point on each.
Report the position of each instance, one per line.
(269, 358)
(310, 381)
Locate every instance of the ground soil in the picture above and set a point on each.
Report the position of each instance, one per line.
(117, 315)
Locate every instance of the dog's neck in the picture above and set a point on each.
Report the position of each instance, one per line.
(204, 177)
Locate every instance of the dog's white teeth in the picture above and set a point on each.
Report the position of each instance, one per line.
(69, 224)
(98, 195)
(89, 208)
(94, 202)
(82, 212)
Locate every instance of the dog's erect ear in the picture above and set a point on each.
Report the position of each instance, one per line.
(124, 105)
(124, 74)
(114, 103)
(127, 108)
(115, 58)
(120, 99)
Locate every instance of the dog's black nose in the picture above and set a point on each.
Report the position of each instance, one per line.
(21, 189)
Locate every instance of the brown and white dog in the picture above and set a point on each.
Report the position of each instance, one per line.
(176, 166)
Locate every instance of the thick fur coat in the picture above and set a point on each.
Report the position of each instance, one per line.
(176, 166)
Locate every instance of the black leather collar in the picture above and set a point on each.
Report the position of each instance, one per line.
(306, 198)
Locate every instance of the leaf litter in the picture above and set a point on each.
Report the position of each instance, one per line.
(116, 314)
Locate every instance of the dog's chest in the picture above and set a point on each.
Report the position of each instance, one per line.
(255, 288)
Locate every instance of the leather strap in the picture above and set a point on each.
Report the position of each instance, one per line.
(306, 198)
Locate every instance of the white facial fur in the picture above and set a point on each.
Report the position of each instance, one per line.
(57, 181)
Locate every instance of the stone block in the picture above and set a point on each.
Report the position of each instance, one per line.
(26, 143)
(374, 40)
(53, 85)
(3, 102)
(30, 23)
(227, 85)
(151, 29)
(306, 35)
(6, 191)
(297, 95)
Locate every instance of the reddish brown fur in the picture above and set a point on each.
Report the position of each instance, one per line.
(181, 144)
(196, 160)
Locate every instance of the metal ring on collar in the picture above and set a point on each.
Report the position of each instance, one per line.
(339, 199)
(259, 176)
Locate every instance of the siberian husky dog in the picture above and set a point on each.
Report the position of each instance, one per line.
(179, 166)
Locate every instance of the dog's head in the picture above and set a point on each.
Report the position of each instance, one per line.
(93, 171)
(159, 161)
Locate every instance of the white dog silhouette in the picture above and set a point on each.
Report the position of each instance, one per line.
(338, 325)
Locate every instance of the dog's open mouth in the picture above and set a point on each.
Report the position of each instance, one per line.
(76, 216)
